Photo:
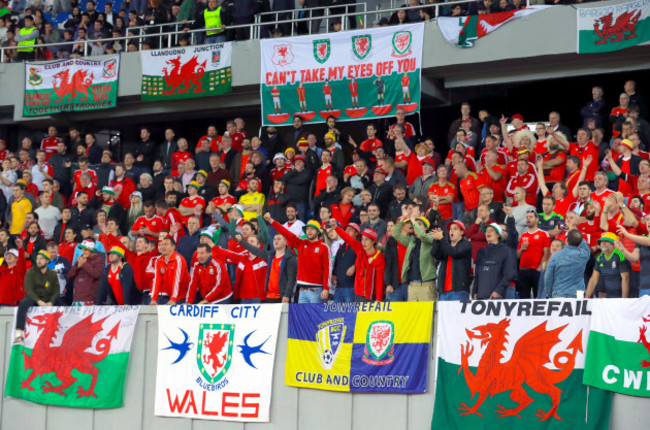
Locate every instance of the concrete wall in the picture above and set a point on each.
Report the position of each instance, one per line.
(291, 408)
(540, 46)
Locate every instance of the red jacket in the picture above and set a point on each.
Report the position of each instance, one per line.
(211, 280)
(127, 188)
(250, 278)
(313, 258)
(12, 288)
(369, 277)
(139, 262)
(170, 277)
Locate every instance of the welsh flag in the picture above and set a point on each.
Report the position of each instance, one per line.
(73, 356)
(516, 365)
(618, 356)
(462, 31)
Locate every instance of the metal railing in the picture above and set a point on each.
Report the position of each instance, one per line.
(253, 28)
(350, 10)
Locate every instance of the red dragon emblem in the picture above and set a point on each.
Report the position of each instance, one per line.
(527, 365)
(72, 354)
(644, 340)
(282, 54)
(215, 345)
(187, 74)
(625, 22)
(64, 85)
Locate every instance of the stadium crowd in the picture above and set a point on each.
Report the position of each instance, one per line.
(26, 24)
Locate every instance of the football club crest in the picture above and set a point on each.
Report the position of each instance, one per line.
(330, 339)
(216, 57)
(110, 68)
(282, 54)
(35, 77)
(361, 46)
(322, 50)
(214, 350)
(402, 41)
(380, 340)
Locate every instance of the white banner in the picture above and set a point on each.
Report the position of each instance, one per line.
(186, 72)
(215, 362)
(350, 75)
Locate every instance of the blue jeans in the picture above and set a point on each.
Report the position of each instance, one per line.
(309, 296)
(163, 300)
(344, 295)
(216, 38)
(399, 294)
(644, 292)
(248, 301)
(511, 293)
(448, 296)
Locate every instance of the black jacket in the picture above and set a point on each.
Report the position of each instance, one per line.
(382, 195)
(104, 174)
(131, 294)
(297, 184)
(39, 244)
(187, 245)
(393, 270)
(164, 155)
(496, 268)
(461, 262)
(345, 258)
(94, 154)
(116, 211)
(327, 199)
(79, 219)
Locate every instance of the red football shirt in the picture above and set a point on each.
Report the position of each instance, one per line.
(537, 241)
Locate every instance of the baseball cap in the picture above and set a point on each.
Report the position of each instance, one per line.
(279, 155)
(518, 116)
(459, 223)
(11, 251)
(108, 190)
(428, 160)
(370, 234)
(380, 170)
(354, 226)
(136, 194)
(299, 157)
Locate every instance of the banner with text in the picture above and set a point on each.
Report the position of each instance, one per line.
(613, 27)
(187, 72)
(618, 356)
(349, 75)
(215, 362)
(70, 85)
(515, 364)
(359, 347)
(73, 356)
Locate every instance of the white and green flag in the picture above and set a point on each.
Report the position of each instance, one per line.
(618, 353)
(516, 365)
(71, 85)
(612, 27)
(463, 31)
(73, 356)
(186, 72)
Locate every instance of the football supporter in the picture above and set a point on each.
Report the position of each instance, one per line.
(148, 225)
(117, 285)
(611, 275)
(209, 278)
(171, 277)
(313, 278)
(455, 254)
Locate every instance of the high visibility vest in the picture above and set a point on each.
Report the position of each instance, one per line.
(28, 45)
(212, 20)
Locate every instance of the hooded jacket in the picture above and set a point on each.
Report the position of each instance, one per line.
(496, 268)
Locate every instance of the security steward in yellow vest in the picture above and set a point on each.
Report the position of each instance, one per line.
(26, 38)
(213, 19)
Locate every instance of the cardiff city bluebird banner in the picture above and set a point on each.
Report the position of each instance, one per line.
(215, 362)
(359, 347)
(349, 75)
